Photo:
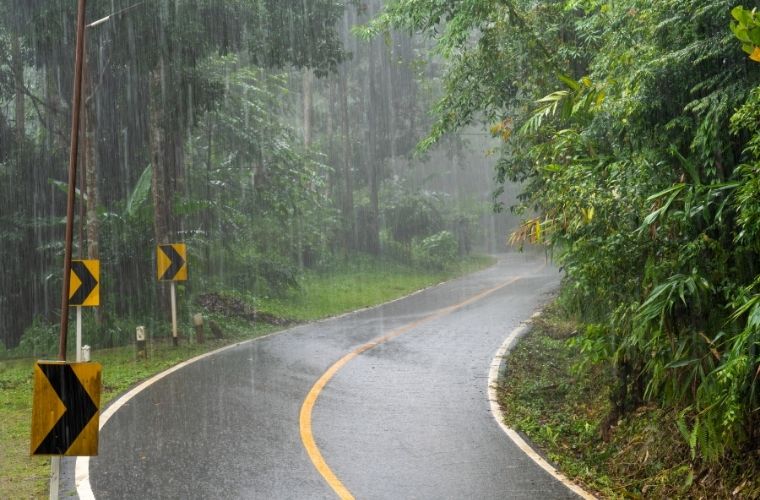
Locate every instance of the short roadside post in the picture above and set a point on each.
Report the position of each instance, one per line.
(142, 352)
(171, 264)
(198, 323)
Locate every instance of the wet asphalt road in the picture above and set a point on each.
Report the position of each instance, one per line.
(407, 419)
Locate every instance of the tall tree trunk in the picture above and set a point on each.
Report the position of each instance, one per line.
(373, 177)
(332, 121)
(18, 77)
(161, 155)
(176, 179)
(158, 160)
(348, 176)
(56, 126)
(308, 104)
(388, 63)
(411, 86)
(210, 222)
(90, 167)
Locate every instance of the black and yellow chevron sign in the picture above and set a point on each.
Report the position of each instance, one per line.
(171, 261)
(85, 287)
(65, 408)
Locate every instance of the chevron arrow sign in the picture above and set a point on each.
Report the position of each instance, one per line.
(85, 287)
(65, 408)
(171, 261)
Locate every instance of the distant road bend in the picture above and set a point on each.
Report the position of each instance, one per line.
(385, 403)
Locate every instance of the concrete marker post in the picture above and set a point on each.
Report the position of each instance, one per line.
(142, 352)
(200, 338)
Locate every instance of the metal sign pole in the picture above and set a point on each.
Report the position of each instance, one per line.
(174, 314)
(79, 334)
(55, 476)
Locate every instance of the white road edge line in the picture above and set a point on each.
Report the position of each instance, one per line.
(493, 381)
(82, 464)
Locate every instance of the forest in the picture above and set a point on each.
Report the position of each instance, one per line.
(633, 128)
(279, 136)
(265, 135)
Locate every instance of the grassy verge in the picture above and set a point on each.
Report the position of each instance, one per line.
(358, 285)
(322, 294)
(560, 408)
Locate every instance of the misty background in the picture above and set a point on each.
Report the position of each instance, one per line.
(265, 135)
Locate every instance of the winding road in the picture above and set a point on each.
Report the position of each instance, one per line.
(387, 403)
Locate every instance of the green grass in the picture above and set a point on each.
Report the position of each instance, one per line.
(322, 294)
(561, 408)
(21, 476)
(361, 284)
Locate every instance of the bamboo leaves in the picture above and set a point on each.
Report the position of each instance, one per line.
(581, 97)
(642, 170)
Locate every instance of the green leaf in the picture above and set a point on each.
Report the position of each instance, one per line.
(737, 12)
(754, 35)
(682, 427)
(554, 96)
(569, 82)
(64, 187)
(693, 439)
(682, 363)
(740, 32)
(742, 15)
(660, 194)
(687, 165)
(140, 193)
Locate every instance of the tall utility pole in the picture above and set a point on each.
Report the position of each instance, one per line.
(55, 462)
(75, 112)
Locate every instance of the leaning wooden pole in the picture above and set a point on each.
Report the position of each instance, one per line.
(75, 113)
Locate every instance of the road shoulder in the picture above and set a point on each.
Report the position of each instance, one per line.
(496, 372)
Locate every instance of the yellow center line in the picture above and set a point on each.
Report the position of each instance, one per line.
(307, 435)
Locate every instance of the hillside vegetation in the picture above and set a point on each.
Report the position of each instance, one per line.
(635, 129)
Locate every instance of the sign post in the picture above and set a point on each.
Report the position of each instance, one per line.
(79, 334)
(55, 477)
(59, 404)
(84, 291)
(171, 264)
(174, 314)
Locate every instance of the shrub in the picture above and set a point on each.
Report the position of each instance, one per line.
(39, 339)
(436, 251)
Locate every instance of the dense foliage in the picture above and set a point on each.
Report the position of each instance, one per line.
(261, 133)
(634, 128)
